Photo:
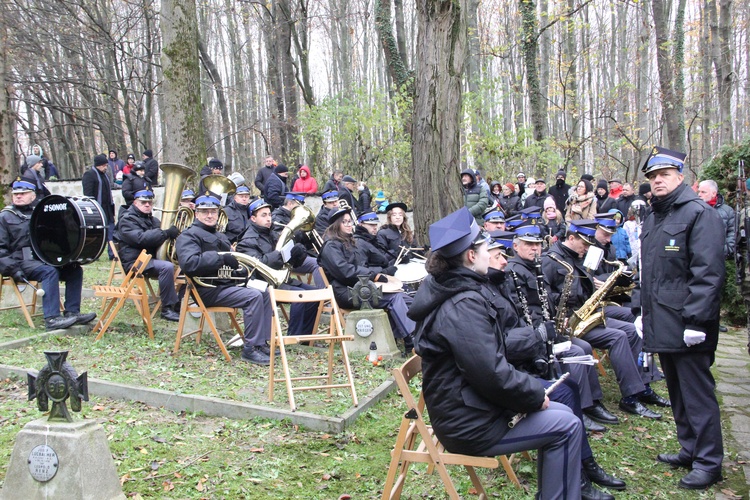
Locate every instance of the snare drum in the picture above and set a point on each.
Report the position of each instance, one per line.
(411, 274)
(65, 230)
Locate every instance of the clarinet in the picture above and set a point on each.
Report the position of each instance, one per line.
(520, 416)
(546, 316)
(522, 300)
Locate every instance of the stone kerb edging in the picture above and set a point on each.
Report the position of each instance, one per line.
(217, 407)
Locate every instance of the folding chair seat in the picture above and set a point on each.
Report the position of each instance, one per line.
(417, 443)
(334, 336)
(192, 303)
(116, 271)
(27, 308)
(133, 288)
(342, 313)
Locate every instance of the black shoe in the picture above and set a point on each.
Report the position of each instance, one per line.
(60, 322)
(638, 409)
(592, 426)
(169, 314)
(256, 356)
(81, 319)
(598, 413)
(597, 475)
(674, 460)
(266, 349)
(655, 399)
(589, 492)
(698, 479)
(723, 329)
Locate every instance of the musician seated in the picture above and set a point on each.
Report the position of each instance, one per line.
(494, 220)
(281, 218)
(17, 261)
(471, 390)
(259, 241)
(343, 263)
(527, 245)
(134, 181)
(198, 251)
(616, 336)
(188, 199)
(396, 233)
(330, 204)
(237, 214)
(365, 235)
(139, 230)
(527, 350)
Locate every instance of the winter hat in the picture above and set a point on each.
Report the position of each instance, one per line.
(100, 160)
(280, 169)
(510, 186)
(602, 184)
(32, 160)
(587, 177)
(644, 188)
(148, 153)
(215, 163)
(561, 174)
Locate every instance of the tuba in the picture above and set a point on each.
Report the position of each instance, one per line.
(175, 178)
(303, 219)
(220, 185)
(250, 264)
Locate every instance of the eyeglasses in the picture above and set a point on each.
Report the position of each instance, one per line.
(146, 202)
(347, 222)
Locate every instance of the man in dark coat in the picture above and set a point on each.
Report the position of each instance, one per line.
(259, 241)
(334, 183)
(536, 199)
(132, 183)
(198, 250)
(281, 218)
(560, 191)
(626, 198)
(330, 203)
(365, 234)
(17, 260)
(263, 174)
(139, 230)
(114, 165)
(358, 195)
(682, 254)
(708, 191)
(238, 216)
(96, 185)
(34, 174)
(345, 193)
(603, 202)
(275, 189)
(152, 167)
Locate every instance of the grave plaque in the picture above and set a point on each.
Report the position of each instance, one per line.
(43, 463)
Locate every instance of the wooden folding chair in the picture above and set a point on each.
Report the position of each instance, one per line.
(342, 313)
(192, 303)
(116, 271)
(416, 443)
(27, 308)
(335, 335)
(133, 288)
(600, 358)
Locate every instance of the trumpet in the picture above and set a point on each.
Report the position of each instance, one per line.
(250, 264)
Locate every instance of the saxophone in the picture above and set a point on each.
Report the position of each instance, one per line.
(587, 316)
(562, 305)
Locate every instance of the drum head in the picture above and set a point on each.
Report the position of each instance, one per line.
(65, 230)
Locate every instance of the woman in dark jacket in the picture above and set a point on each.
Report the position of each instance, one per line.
(396, 233)
(343, 262)
(510, 202)
(471, 390)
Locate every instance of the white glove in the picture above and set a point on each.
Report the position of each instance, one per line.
(693, 337)
(638, 324)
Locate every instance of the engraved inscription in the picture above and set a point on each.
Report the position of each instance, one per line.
(43, 463)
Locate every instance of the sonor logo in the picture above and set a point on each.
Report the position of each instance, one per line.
(57, 207)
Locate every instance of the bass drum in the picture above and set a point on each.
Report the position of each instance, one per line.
(65, 230)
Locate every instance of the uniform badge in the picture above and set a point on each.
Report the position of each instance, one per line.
(672, 247)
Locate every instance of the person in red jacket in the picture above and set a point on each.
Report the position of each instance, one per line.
(306, 182)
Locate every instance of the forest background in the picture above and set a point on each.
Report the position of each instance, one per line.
(399, 93)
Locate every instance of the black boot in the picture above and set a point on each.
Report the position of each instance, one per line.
(589, 492)
(597, 475)
(408, 346)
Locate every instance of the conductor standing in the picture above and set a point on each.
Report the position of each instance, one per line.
(682, 248)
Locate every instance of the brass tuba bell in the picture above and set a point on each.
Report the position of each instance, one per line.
(175, 177)
(220, 186)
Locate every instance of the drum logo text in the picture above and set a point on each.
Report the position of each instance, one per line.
(57, 207)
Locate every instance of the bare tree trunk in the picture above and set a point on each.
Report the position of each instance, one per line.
(570, 72)
(285, 24)
(529, 46)
(721, 34)
(7, 158)
(671, 107)
(705, 44)
(215, 76)
(183, 121)
(441, 50)
(397, 66)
